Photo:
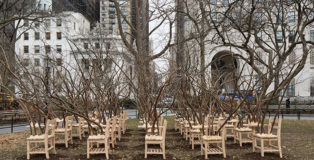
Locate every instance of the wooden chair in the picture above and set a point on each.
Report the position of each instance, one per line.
(207, 146)
(195, 136)
(99, 139)
(177, 123)
(239, 132)
(270, 137)
(47, 138)
(78, 127)
(112, 131)
(157, 129)
(230, 126)
(66, 132)
(156, 139)
(186, 130)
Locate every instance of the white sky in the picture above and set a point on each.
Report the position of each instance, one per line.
(160, 37)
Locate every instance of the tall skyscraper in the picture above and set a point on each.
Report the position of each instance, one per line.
(89, 8)
(108, 17)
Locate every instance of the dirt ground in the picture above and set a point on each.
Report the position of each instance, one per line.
(297, 143)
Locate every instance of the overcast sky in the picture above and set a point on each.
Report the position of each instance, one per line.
(161, 36)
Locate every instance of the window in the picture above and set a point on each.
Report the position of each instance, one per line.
(214, 17)
(59, 22)
(26, 36)
(312, 87)
(59, 36)
(97, 45)
(37, 35)
(213, 1)
(85, 63)
(26, 49)
(312, 57)
(59, 61)
(291, 16)
(36, 24)
(59, 48)
(311, 16)
(279, 17)
(26, 62)
(292, 58)
(291, 89)
(26, 23)
(259, 58)
(37, 49)
(258, 82)
(258, 17)
(85, 45)
(39, 6)
(47, 23)
(225, 2)
(108, 45)
(37, 62)
(291, 36)
(259, 35)
(47, 48)
(47, 35)
(312, 35)
(279, 37)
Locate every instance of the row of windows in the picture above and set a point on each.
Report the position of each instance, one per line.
(47, 35)
(26, 62)
(47, 49)
(279, 36)
(225, 2)
(47, 23)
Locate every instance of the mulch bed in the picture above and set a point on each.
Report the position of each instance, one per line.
(131, 147)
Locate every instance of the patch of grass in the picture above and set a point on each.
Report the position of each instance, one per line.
(297, 143)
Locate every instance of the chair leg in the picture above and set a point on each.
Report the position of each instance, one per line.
(240, 137)
(192, 139)
(279, 147)
(202, 147)
(262, 147)
(66, 140)
(164, 150)
(80, 133)
(253, 143)
(46, 150)
(53, 143)
(235, 136)
(88, 149)
(206, 148)
(71, 138)
(28, 150)
(223, 148)
(145, 150)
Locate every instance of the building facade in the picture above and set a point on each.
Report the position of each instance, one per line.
(108, 18)
(88, 8)
(286, 21)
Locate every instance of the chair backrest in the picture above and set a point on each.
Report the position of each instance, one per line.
(114, 123)
(107, 128)
(50, 128)
(164, 130)
(277, 125)
(223, 129)
(68, 122)
(125, 115)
